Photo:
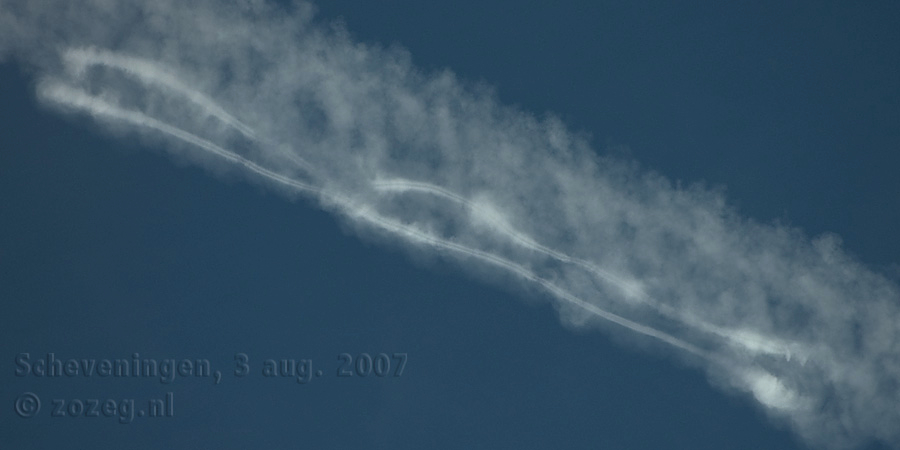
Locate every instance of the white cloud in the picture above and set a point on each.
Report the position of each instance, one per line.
(441, 168)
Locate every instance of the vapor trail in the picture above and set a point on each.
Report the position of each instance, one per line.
(746, 339)
(79, 59)
(77, 98)
(629, 288)
(148, 72)
(521, 271)
(798, 323)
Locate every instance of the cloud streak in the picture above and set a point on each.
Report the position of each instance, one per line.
(438, 167)
(71, 97)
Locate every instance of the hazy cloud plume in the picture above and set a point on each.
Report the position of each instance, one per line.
(440, 167)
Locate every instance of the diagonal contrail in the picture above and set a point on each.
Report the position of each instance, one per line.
(798, 323)
(746, 339)
(77, 60)
(96, 106)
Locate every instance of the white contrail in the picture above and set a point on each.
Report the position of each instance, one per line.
(74, 97)
(78, 98)
(493, 218)
(748, 340)
(760, 299)
(523, 272)
(78, 59)
(149, 73)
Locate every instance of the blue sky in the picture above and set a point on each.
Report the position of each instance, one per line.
(119, 237)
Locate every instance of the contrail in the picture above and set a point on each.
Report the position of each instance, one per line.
(78, 98)
(517, 269)
(746, 339)
(795, 322)
(147, 72)
(630, 289)
(766, 387)
(77, 60)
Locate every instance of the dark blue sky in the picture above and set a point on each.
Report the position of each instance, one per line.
(109, 248)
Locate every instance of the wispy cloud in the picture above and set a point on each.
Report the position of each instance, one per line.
(441, 168)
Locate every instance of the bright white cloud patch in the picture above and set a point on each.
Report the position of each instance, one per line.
(422, 161)
(771, 392)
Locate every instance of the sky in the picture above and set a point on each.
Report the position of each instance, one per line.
(577, 225)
